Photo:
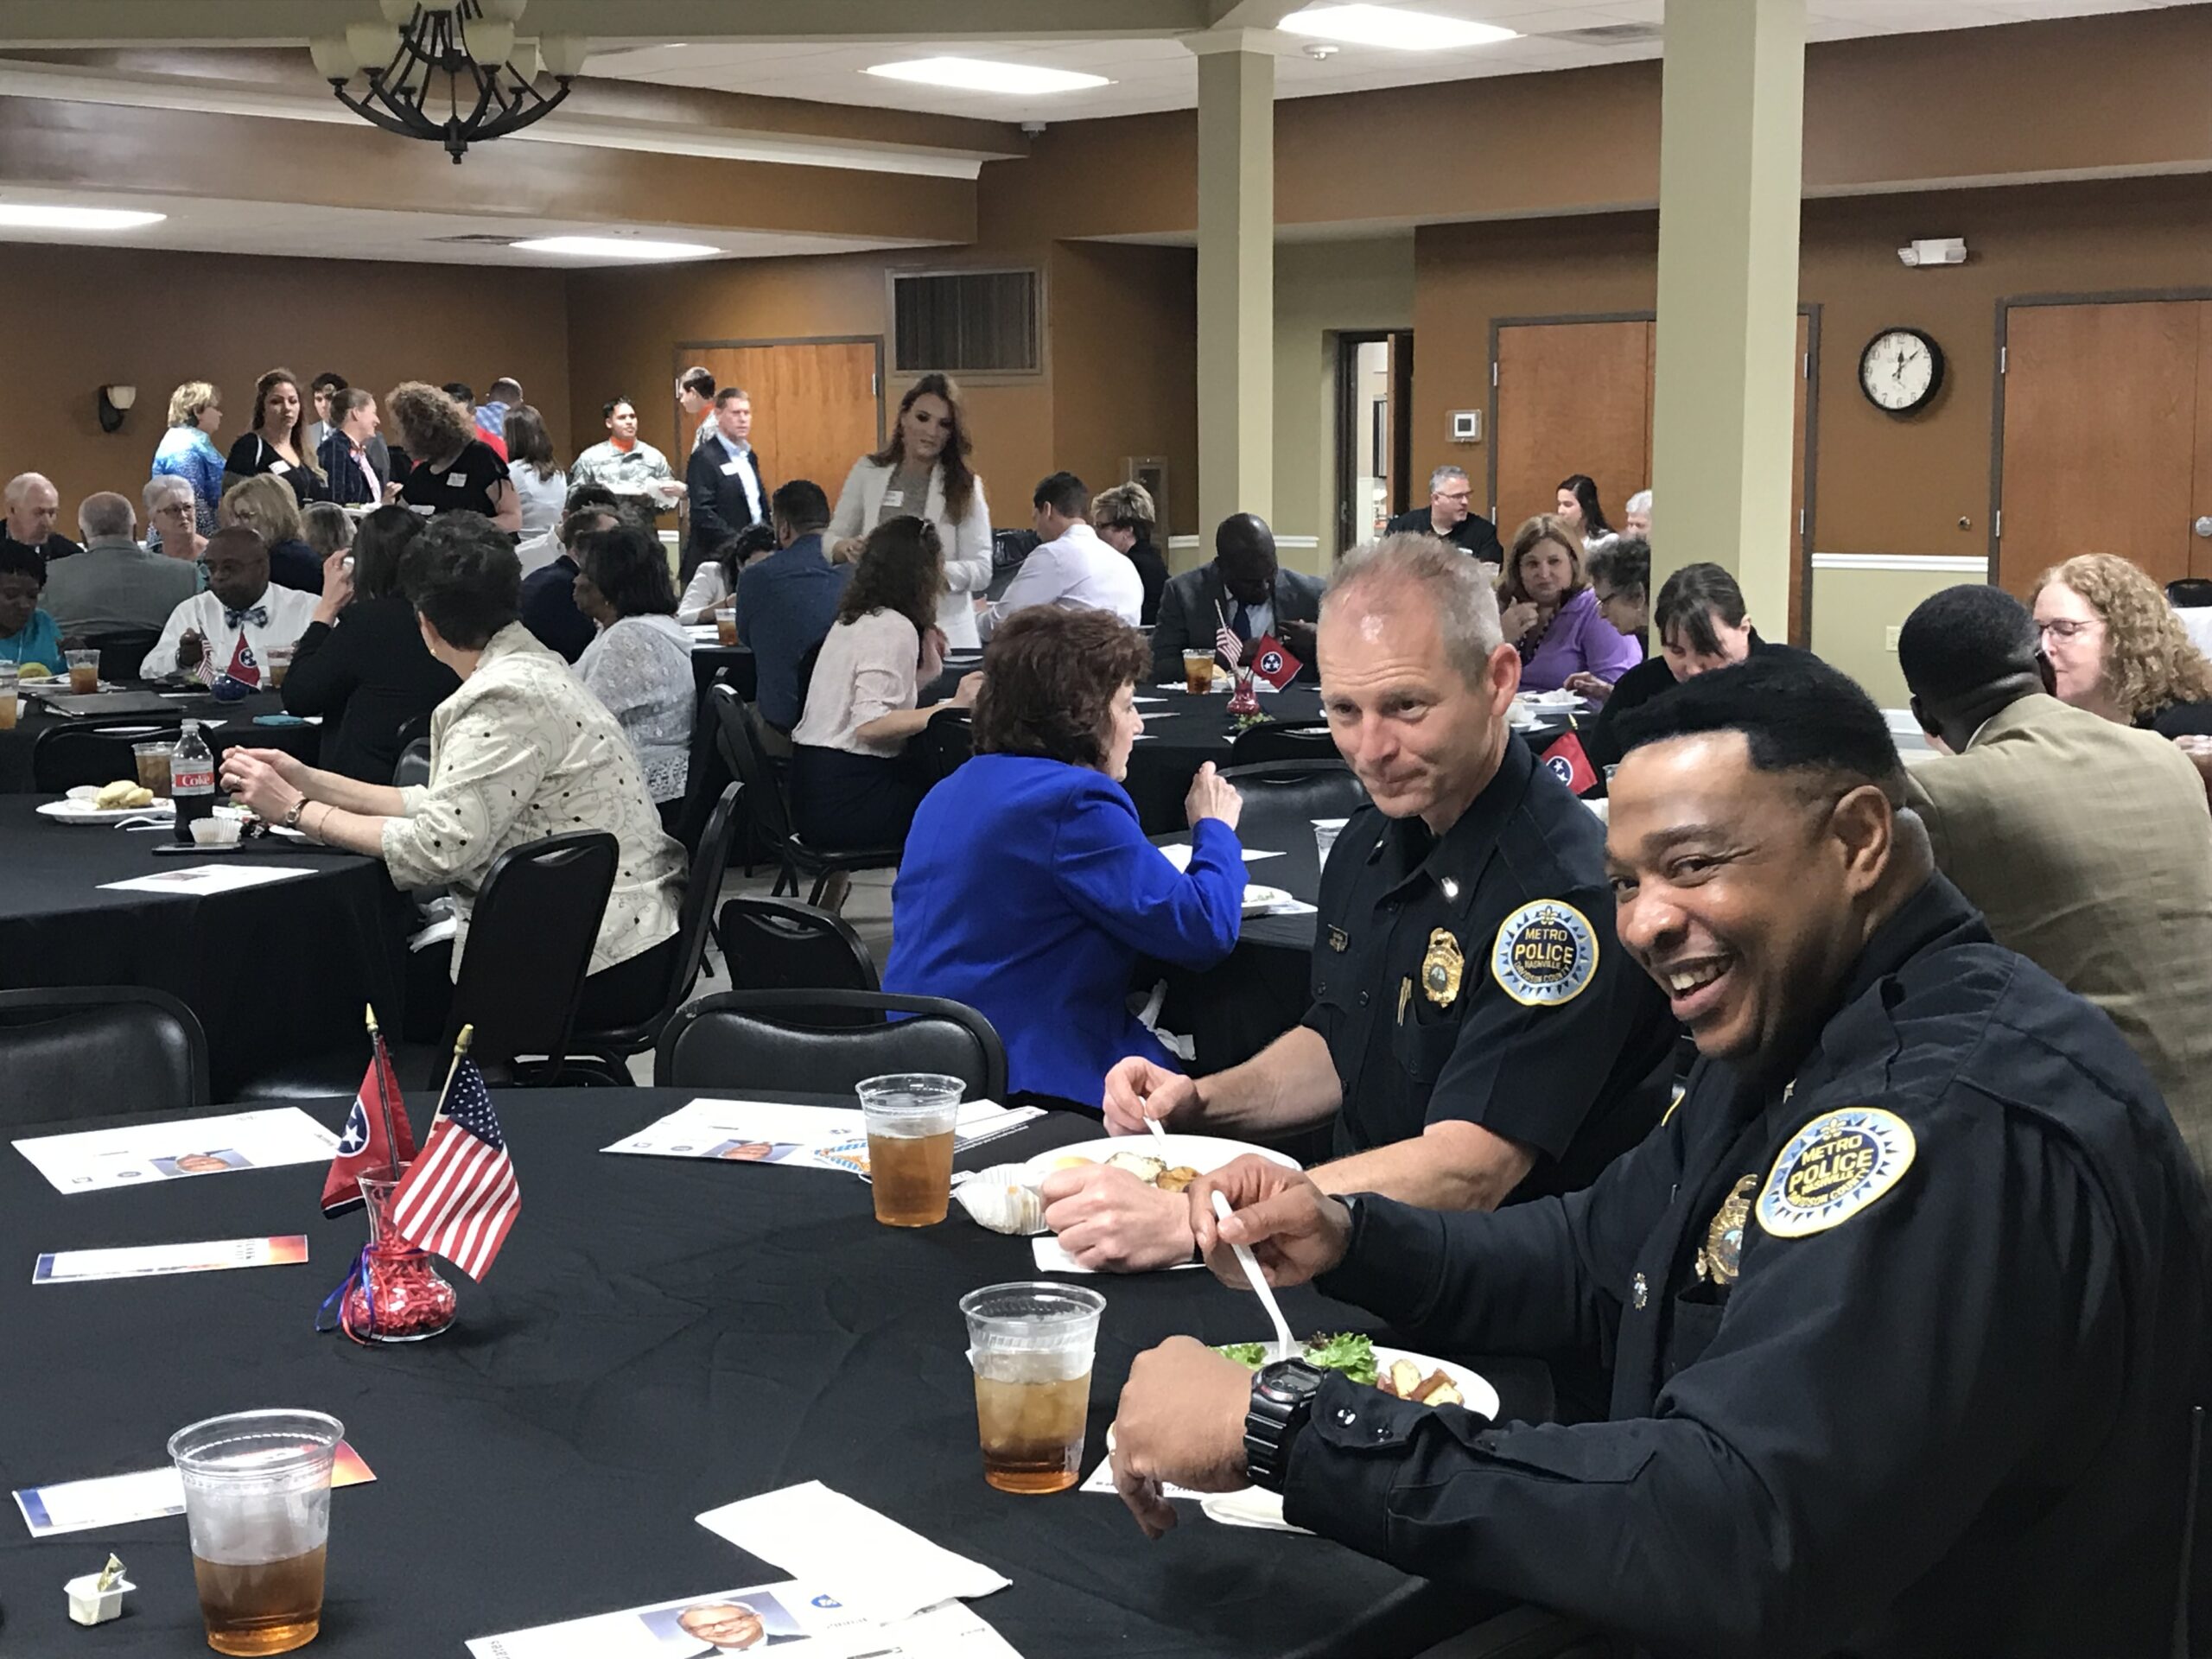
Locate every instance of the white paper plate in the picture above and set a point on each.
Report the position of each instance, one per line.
(1259, 899)
(1204, 1152)
(75, 808)
(1561, 699)
(1253, 1508)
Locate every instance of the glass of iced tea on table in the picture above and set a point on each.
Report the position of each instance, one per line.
(280, 665)
(725, 622)
(1031, 1345)
(256, 1504)
(8, 704)
(1197, 672)
(153, 763)
(910, 1117)
(84, 671)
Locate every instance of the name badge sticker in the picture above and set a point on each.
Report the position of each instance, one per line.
(456, 480)
(280, 466)
(1546, 954)
(894, 498)
(1832, 1168)
(731, 468)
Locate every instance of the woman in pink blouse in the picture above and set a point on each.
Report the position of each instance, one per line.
(1549, 612)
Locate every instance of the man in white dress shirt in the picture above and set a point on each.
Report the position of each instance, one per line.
(230, 629)
(1072, 568)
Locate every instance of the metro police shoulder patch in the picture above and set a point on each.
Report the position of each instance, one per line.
(1546, 954)
(1834, 1167)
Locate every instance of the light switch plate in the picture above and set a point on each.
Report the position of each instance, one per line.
(1889, 636)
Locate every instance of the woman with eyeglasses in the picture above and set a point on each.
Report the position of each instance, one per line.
(2117, 649)
(173, 517)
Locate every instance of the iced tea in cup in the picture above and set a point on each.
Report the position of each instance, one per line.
(256, 1504)
(725, 622)
(1031, 1345)
(1197, 672)
(84, 671)
(7, 697)
(910, 1117)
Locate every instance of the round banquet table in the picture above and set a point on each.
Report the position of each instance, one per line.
(276, 973)
(237, 728)
(658, 1338)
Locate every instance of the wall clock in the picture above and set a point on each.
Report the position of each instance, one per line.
(1901, 370)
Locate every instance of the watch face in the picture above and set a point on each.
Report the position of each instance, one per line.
(1900, 369)
(1290, 1379)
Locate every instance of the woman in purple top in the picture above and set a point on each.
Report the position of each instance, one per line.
(1548, 610)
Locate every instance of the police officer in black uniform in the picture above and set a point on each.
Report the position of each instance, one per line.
(1476, 1032)
(1908, 1300)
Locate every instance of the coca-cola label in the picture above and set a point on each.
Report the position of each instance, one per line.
(200, 779)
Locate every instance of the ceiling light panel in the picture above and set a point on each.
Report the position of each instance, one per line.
(614, 247)
(1392, 27)
(981, 75)
(39, 216)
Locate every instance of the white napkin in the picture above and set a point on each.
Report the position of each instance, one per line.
(878, 1567)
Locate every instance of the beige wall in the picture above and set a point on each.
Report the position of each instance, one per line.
(1321, 288)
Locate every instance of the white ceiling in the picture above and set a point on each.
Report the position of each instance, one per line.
(209, 225)
(1162, 74)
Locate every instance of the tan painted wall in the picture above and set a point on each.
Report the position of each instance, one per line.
(81, 318)
(1322, 288)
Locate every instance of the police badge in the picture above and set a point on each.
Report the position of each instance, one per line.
(1440, 968)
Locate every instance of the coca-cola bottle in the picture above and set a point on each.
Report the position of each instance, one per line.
(192, 779)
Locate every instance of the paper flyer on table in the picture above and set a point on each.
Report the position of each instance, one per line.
(202, 881)
(1101, 1480)
(786, 1615)
(92, 1159)
(145, 1495)
(1052, 1259)
(145, 1261)
(800, 1137)
(1178, 852)
(881, 1569)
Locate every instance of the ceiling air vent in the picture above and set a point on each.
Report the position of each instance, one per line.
(1613, 35)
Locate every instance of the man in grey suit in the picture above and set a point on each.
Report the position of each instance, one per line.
(115, 586)
(1244, 586)
(2085, 843)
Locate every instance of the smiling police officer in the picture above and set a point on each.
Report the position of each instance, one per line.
(1908, 1297)
(1475, 1033)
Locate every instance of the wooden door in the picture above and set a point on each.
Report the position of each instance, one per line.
(816, 406)
(1572, 397)
(2101, 451)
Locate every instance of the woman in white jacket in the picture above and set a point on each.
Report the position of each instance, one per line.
(923, 472)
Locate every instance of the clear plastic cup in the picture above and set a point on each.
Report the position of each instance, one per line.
(7, 697)
(725, 622)
(910, 1117)
(1325, 831)
(1031, 1345)
(84, 671)
(1198, 671)
(256, 1504)
(279, 665)
(152, 762)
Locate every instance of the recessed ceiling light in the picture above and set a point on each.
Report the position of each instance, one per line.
(614, 247)
(1391, 26)
(980, 75)
(34, 216)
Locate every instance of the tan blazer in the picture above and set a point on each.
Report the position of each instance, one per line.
(2088, 847)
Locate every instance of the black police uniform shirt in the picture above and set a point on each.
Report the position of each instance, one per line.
(1473, 534)
(1476, 977)
(1905, 1344)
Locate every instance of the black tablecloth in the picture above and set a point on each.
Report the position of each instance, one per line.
(659, 1338)
(237, 730)
(275, 973)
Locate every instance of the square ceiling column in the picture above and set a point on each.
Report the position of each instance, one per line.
(1236, 277)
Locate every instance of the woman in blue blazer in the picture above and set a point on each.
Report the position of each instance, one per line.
(1028, 889)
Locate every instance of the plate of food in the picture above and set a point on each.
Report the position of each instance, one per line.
(1560, 699)
(1170, 1162)
(1259, 900)
(1393, 1371)
(107, 804)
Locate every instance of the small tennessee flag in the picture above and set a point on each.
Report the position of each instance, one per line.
(1566, 761)
(244, 667)
(1272, 661)
(362, 1149)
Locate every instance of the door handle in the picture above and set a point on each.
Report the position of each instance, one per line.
(2203, 527)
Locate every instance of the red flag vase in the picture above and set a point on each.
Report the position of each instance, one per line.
(397, 1294)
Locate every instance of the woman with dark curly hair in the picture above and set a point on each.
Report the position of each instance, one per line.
(2117, 649)
(1029, 889)
(454, 470)
(853, 785)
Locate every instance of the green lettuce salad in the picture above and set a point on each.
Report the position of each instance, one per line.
(1347, 1352)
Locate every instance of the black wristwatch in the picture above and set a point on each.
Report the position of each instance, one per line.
(1282, 1401)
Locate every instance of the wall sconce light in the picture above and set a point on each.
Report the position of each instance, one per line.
(115, 402)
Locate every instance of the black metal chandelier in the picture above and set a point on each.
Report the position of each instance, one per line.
(453, 73)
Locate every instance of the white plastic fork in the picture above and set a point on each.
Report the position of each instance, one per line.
(1285, 1348)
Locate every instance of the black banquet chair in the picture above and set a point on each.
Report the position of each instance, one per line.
(1283, 797)
(63, 757)
(1271, 742)
(780, 944)
(530, 933)
(784, 1042)
(83, 1050)
(122, 652)
(765, 809)
(611, 1049)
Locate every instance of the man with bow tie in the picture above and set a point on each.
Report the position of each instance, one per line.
(230, 629)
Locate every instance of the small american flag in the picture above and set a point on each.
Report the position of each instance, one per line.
(459, 1198)
(1229, 645)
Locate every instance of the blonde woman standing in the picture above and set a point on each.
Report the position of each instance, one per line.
(923, 472)
(187, 450)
